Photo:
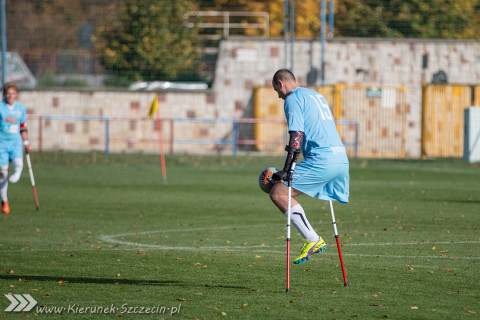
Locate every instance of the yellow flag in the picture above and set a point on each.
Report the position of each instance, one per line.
(154, 107)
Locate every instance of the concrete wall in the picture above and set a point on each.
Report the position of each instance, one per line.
(130, 129)
(245, 62)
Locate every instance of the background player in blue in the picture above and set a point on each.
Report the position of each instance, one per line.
(324, 171)
(12, 131)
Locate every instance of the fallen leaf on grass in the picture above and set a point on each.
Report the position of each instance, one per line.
(209, 307)
(11, 271)
(180, 299)
(376, 305)
(61, 282)
(224, 313)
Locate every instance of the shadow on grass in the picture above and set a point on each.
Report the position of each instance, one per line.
(119, 281)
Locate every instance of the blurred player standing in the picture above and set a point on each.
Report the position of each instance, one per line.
(12, 131)
(324, 172)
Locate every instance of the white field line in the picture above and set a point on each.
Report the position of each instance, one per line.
(256, 248)
(139, 246)
(430, 169)
(245, 249)
(251, 248)
(225, 227)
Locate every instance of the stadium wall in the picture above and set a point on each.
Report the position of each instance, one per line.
(244, 63)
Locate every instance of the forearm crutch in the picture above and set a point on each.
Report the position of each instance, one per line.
(289, 213)
(334, 223)
(27, 155)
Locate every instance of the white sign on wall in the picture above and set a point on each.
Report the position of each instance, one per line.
(471, 147)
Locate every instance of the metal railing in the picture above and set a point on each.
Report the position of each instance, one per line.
(124, 131)
(209, 20)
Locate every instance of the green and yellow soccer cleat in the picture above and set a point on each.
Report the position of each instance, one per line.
(309, 249)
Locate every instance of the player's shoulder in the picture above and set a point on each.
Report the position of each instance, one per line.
(306, 92)
(299, 93)
(20, 106)
(3, 106)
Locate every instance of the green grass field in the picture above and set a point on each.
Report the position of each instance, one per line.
(211, 245)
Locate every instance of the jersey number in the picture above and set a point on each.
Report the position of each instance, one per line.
(322, 107)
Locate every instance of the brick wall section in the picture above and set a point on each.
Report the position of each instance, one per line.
(245, 62)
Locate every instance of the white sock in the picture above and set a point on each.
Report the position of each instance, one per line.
(300, 222)
(17, 170)
(3, 183)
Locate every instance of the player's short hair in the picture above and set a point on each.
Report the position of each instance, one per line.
(284, 75)
(9, 85)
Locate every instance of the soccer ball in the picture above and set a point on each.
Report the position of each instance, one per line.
(265, 179)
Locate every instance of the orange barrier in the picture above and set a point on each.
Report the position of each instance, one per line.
(443, 119)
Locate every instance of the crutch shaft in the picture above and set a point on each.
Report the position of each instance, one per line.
(334, 223)
(32, 179)
(289, 220)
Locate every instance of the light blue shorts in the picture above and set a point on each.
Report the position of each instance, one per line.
(328, 181)
(10, 150)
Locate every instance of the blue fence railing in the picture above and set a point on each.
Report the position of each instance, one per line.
(235, 141)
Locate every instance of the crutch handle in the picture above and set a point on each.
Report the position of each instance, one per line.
(296, 153)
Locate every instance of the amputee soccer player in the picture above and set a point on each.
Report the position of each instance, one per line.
(12, 130)
(324, 171)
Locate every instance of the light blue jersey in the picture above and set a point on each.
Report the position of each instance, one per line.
(10, 119)
(307, 110)
(10, 139)
(324, 172)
